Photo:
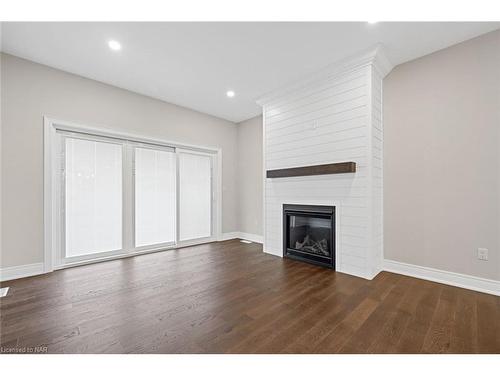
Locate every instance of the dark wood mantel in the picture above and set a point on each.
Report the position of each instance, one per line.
(312, 170)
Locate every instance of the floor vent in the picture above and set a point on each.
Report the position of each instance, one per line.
(4, 291)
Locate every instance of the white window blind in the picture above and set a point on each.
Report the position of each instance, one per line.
(155, 198)
(93, 197)
(195, 189)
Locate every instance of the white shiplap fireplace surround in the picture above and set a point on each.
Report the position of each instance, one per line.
(332, 116)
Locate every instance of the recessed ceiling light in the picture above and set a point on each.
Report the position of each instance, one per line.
(230, 94)
(114, 45)
(372, 22)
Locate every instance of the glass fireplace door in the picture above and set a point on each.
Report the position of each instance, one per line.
(309, 234)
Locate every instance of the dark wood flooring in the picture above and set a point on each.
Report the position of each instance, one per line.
(229, 297)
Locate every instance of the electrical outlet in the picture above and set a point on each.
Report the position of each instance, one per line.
(482, 253)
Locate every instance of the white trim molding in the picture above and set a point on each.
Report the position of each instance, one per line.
(251, 237)
(18, 272)
(242, 236)
(229, 236)
(444, 277)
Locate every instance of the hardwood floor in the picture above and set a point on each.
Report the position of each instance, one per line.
(229, 297)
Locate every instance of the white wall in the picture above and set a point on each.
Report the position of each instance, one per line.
(249, 174)
(442, 159)
(334, 117)
(31, 90)
(377, 172)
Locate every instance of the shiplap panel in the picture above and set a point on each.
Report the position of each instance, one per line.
(336, 108)
(326, 182)
(350, 130)
(313, 145)
(316, 146)
(333, 121)
(335, 99)
(376, 250)
(336, 120)
(317, 97)
(313, 88)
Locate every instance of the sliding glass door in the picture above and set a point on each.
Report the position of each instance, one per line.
(93, 198)
(120, 197)
(155, 197)
(195, 202)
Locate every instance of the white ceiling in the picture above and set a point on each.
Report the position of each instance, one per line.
(194, 64)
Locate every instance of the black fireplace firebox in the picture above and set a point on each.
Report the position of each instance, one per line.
(309, 234)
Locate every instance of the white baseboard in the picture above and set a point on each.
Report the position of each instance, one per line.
(17, 272)
(444, 277)
(243, 236)
(229, 236)
(251, 237)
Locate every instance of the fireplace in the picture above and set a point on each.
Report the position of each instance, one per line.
(309, 234)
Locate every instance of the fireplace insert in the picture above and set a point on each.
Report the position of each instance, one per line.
(309, 234)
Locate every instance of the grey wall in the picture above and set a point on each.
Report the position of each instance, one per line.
(30, 90)
(442, 159)
(250, 177)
